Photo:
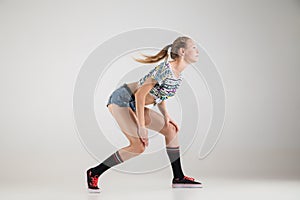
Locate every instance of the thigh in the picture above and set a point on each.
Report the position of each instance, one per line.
(157, 122)
(126, 120)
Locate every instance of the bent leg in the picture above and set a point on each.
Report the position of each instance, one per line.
(171, 138)
(127, 122)
(157, 123)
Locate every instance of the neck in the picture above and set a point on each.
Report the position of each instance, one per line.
(178, 65)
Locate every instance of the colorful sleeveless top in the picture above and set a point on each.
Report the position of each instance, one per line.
(167, 82)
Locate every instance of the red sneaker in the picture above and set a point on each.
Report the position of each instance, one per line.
(92, 181)
(186, 182)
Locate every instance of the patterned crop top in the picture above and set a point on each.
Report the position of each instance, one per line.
(167, 82)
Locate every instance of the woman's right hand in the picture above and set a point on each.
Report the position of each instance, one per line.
(143, 134)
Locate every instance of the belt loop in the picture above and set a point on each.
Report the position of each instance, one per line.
(127, 88)
(129, 91)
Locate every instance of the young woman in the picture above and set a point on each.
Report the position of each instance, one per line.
(127, 106)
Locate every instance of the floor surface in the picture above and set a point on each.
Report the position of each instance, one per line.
(127, 186)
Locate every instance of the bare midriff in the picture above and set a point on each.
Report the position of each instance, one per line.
(133, 87)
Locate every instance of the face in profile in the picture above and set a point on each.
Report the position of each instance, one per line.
(191, 54)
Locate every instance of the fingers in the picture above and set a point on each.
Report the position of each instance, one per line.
(145, 141)
(143, 135)
(176, 127)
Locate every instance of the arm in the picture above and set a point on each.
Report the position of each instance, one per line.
(155, 76)
(140, 96)
(163, 109)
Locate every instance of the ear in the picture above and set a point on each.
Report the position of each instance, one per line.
(181, 51)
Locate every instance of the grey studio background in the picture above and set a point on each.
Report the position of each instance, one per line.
(43, 44)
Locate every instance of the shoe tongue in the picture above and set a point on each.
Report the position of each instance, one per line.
(189, 178)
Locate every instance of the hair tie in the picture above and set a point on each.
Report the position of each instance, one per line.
(168, 53)
(169, 50)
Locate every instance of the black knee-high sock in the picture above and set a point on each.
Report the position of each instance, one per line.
(111, 161)
(174, 157)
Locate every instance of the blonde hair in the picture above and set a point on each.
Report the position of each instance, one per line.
(180, 42)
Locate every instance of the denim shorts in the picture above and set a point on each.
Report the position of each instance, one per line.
(123, 97)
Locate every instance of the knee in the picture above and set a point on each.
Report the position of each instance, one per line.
(137, 147)
(171, 130)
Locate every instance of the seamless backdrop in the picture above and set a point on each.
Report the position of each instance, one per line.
(255, 45)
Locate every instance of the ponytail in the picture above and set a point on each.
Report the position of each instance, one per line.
(180, 42)
(153, 59)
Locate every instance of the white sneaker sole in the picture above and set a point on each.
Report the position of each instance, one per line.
(94, 191)
(186, 185)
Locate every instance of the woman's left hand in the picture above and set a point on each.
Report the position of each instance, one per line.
(169, 120)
